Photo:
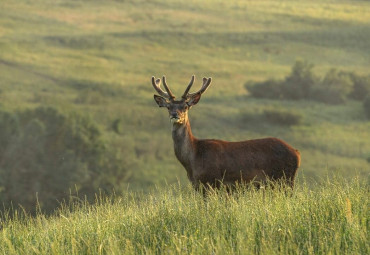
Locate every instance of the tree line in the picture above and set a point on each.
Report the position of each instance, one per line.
(335, 87)
(46, 156)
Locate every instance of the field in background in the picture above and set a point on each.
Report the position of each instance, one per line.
(97, 58)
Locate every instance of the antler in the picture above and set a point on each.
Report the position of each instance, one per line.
(188, 88)
(157, 86)
(206, 83)
(168, 94)
(171, 96)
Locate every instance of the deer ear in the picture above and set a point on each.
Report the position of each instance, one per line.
(194, 99)
(161, 101)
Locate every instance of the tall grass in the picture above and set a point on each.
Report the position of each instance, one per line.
(328, 218)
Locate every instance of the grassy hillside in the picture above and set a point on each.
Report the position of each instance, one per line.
(97, 57)
(331, 218)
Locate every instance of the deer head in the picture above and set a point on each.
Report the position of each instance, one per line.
(178, 109)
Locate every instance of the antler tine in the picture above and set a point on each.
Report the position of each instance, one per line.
(189, 86)
(206, 83)
(171, 96)
(156, 85)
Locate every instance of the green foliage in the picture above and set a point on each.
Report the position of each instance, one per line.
(361, 86)
(327, 218)
(270, 117)
(302, 83)
(334, 88)
(46, 153)
(9, 127)
(299, 83)
(366, 105)
(282, 117)
(266, 89)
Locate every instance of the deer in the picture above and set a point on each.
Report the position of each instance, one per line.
(212, 163)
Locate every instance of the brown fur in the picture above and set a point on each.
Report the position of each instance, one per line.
(211, 162)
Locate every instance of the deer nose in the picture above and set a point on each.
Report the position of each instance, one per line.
(174, 116)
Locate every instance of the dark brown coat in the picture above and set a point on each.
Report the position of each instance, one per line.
(211, 162)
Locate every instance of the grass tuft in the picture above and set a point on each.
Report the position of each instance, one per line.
(327, 218)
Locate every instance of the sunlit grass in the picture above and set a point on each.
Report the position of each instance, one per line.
(330, 217)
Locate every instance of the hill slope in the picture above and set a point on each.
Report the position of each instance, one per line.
(327, 218)
(97, 57)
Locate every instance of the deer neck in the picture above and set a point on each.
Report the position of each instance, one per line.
(184, 143)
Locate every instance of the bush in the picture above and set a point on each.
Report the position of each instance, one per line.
(46, 153)
(361, 86)
(367, 106)
(282, 117)
(266, 89)
(334, 88)
(9, 128)
(299, 83)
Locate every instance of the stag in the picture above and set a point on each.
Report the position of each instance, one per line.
(211, 162)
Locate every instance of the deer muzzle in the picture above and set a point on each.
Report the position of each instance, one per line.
(175, 120)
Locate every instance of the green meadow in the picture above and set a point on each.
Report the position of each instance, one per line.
(327, 218)
(96, 59)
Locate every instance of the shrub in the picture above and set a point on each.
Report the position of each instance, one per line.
(367, 106)
(282, 117)
(361, 86)
(333, 89)
(9, 127)
(47, 153)
(266, 89)
(299, 83)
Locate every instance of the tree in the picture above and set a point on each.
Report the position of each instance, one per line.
(361, 86)
(334, 88)
(299, 83)
(46, 154)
